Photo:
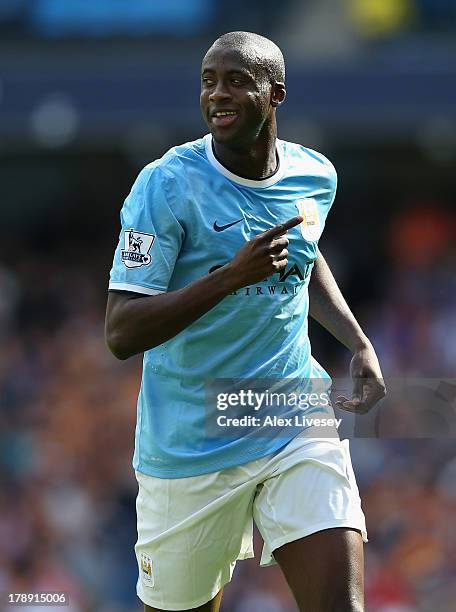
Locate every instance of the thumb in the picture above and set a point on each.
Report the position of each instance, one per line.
(357, 389)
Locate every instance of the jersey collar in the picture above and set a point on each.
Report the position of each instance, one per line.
(260, 184)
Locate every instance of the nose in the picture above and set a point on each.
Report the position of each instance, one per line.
(220, 92)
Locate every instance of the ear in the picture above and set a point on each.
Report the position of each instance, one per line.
(278, 94)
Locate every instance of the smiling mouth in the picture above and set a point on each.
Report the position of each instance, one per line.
(224, 118)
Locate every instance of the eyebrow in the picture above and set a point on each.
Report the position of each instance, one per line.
(241, 71)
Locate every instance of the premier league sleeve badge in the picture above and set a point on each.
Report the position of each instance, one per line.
(137, 248)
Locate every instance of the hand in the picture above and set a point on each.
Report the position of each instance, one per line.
(263, 255)
(368, 383)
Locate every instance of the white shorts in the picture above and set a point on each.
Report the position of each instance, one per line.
(192, 530)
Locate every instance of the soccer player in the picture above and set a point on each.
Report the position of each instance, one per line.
(210, 280)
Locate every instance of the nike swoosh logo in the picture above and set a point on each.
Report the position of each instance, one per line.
(220, 228)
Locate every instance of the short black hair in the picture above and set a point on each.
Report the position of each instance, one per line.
(257, 49)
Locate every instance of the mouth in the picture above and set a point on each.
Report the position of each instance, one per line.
(223, 118)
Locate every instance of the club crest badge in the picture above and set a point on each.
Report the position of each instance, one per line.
(137, 248)
(310, 227)
(145, 567)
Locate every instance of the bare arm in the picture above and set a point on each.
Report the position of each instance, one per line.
(136, 323)
(329, 308)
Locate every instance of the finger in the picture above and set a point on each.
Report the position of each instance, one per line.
(350, 406)
(357, 390)
(278, 244)
(373, 392)
(279, 265)
(282, 255)
(354, 408)
(344, 404)
(341, 398)
(278, 230)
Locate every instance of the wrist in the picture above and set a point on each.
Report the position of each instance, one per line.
(360, 343)
(226, 279)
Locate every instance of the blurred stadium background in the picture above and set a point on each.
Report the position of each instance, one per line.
(89, 93)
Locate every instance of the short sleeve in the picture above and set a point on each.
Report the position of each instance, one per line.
(333, 184)
(328, 193)
(150, 237)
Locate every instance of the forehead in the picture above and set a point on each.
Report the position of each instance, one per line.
(227, 59)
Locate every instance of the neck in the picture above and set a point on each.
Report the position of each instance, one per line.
(256, 161)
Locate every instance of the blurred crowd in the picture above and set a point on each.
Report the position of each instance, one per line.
(67, 407)
(67, 415)
(184, 18)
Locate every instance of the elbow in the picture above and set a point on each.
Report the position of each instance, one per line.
(116, 344)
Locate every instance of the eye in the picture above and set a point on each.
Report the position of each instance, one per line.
(237, 81)
(207, 82)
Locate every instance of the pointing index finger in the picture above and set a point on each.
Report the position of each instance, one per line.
(278, 230)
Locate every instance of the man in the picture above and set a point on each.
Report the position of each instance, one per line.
(230, 225)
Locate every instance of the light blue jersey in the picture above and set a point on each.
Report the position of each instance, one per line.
(185, 216)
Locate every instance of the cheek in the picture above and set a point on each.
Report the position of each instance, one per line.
(203, 101)
(256, 103)
(259, 106)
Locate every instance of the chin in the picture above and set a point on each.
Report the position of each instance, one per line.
(220, 138)
(225, 136)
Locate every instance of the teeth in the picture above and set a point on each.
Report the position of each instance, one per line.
(225, 113)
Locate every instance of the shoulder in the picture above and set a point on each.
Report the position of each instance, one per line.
(309, 161)
(175, 165)
(163, 183)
